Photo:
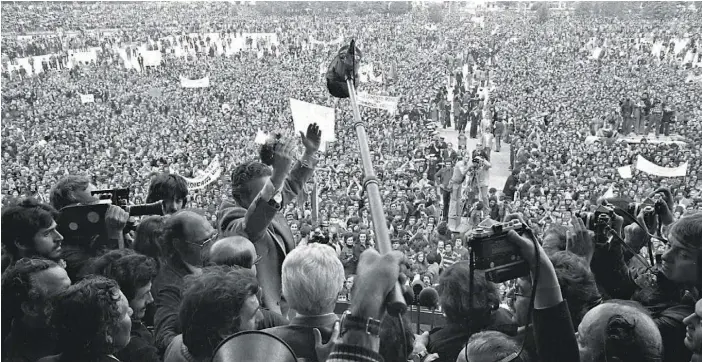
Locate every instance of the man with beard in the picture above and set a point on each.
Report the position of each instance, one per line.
(29, 230)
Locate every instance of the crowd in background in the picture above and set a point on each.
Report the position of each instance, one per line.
(559, 110)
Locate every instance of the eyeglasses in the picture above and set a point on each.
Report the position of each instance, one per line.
(206, 241)
(257, 260)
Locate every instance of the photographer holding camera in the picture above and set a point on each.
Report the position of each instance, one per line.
(478, 178)
(76, 190)
(669, 289)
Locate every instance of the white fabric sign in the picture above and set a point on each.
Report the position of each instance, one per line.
(304, 114)
(378, 102)
(336, 41)
(206, 177)
(194, 83)
(152, 58)
(87, 98)
(625, 172)
(651, 168)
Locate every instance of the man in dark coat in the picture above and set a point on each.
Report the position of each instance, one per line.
(268, 190)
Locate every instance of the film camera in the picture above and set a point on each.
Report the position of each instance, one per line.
(319, 236)
(599, 221)
(649, 208)
(497, 257)
(85, 224)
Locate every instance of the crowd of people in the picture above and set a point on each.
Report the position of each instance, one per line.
(569, 120)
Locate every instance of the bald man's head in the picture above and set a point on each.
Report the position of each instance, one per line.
(233, 251)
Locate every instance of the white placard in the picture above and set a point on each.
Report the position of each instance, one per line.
(304, 114)
(651, 168)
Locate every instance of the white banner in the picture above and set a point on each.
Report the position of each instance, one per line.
(378, 102)
(625, 172)
(211, 174)
(691, 78)
(194, 83)
(87, 98)
(336, 41)
(152, 58)
(304, 114)
(653, 169)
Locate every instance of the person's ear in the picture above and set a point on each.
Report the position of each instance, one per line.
(20, 247)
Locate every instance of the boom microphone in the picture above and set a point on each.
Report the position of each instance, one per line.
(429, 298)
(344, 66)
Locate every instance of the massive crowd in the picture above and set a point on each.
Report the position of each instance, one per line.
(571, 120)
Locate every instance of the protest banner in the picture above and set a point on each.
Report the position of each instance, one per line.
(378, 102)
(206, 177)
(625, 172)
(651, 168)
(87, 98)
(152, 58)
(336, 41)
(194, 83)
(304, 114)
(691, 78)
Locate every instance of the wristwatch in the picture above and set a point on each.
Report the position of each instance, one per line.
(349, 322)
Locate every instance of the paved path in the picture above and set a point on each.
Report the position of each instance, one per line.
(499, 160)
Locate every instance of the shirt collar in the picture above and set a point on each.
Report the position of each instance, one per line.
(323, 320)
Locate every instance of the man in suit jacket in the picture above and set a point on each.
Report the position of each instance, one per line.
(313, 277)
(268, 190)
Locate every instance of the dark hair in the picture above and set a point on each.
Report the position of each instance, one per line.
(433, 257)
(21, 222)
(245, 173)
(455, 290)
(167, 186)
(147, 238)
(578, 285)
(174, 228)
(61, 194)
(83, 315)
(128, 268)
(18, 288)
(211, 304)
(394, 347)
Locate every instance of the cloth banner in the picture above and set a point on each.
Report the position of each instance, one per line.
(693, 78)
(625, 172)
(651, 168)
(304, 114)
(338, 40)
(152, 58)
(378, 102)
(194, 83)
(210, 175)
(87, 98)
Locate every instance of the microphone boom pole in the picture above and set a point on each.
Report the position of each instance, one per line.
(395, 304)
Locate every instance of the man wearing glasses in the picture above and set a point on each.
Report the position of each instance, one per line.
(187, 237)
